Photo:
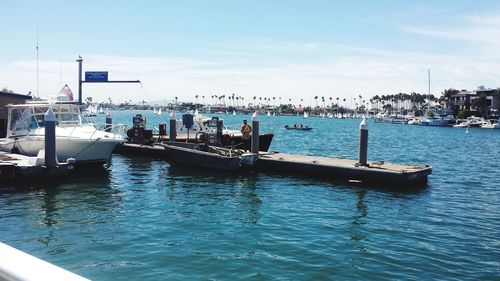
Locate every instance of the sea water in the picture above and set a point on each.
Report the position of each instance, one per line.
(144, 219)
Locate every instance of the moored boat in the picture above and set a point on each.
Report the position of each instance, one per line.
(491, 124)
(200, 125)
(209, 157)
(74, 139)
(298, 127)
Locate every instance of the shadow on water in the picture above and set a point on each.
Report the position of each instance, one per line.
(396, 189)
(81, 176)
(78, 197)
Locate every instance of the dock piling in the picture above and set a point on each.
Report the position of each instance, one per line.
(172, 135)
(109, 123)
(50, 138)
(363, 143)
(255, 133)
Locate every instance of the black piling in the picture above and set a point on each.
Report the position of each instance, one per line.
(255, 133)
(173, 134)
(363, 143)
(50, 138)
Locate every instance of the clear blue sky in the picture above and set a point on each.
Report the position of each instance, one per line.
(280, 48)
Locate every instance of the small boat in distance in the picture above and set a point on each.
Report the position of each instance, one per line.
(298, 127)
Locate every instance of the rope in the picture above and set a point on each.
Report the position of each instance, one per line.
(145, 93)
(92, 143)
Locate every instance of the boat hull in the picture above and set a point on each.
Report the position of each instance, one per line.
(193, 157)
(237, 140)
(82, 150)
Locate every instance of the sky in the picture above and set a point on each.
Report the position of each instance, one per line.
(283, 49)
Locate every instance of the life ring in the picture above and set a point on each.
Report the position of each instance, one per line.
(226, 140)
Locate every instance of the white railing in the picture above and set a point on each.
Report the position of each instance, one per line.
(16, 265)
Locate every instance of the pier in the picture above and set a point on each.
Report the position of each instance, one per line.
(344, 169)
(354, 171)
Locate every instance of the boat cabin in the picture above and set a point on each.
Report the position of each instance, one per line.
(23, 118)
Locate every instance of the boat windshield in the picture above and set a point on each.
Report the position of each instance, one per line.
(26, 118)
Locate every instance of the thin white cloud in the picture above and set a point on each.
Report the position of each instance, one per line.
(483, 19)
(341, 71)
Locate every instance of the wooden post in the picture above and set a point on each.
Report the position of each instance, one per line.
(50, 138)
(255, 133)
(363, 143)
(173, 133)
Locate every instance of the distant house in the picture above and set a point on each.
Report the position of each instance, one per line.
(464, 99)
(461, 101)
(8, 98)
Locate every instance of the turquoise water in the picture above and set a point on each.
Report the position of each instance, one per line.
(146, 220)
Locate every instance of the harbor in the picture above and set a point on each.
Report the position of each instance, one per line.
(249, 140)
(165, 208)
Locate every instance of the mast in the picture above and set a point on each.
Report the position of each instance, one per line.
(37, 69)
(429, 80)
(79, 60)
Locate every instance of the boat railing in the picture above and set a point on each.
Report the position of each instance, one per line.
(118, 130)
(14, 263)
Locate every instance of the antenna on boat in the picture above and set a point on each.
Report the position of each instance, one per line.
(429, 80)
(60, 72)
(37, 69)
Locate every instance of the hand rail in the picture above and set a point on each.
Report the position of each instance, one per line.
(14, 264)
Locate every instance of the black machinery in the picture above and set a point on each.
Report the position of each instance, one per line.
(214, 132)
(138, 132)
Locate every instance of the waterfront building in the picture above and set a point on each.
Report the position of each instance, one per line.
(9, 98)
(463, 100)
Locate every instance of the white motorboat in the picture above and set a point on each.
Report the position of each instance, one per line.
(491, 124)
(461, 125)
(471, 121)
(74, 139)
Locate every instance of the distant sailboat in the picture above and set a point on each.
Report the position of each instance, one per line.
(268, 113)
(234, 112)
(196, 113)
(154, 110)
(101, 111)
(274, 113)
(306, 114)
(159, 111)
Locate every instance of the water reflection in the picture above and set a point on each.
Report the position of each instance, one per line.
(361, 212)
(236, 193)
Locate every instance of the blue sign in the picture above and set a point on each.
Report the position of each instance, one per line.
(96, 76)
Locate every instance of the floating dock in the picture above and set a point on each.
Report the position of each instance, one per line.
(17, 167)
(356, 171)
(317, 166)
(344, 169)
